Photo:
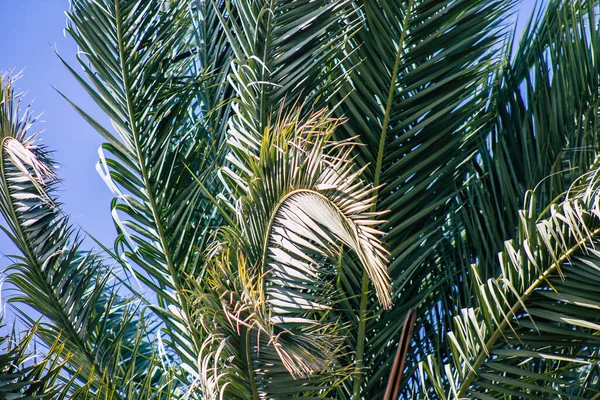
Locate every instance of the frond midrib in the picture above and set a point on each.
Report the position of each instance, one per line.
(362, 323)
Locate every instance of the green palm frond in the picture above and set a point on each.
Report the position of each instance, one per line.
(543, 137)
(545, 131)
(24, 375)
(416, 99)
(151, 67)
(72, 288)
(255, 225)
(544, 134)
(534, 331)
(283, 51)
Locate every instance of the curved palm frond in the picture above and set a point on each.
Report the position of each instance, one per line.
(276, 272)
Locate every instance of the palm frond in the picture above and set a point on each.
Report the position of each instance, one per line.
(417, 100)
(534, 330)
(545, 131)
(68, 286)
(452, 130)
(305, 208)
(543, 136)
(283, 51)
(150, 65)
(24, 375)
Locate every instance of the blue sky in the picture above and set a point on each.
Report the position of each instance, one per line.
(31, 30)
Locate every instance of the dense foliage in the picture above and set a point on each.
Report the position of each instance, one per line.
(319, 199)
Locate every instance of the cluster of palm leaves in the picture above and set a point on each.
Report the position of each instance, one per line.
(319, 199)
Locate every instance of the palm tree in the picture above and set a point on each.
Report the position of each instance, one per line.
(299, 185)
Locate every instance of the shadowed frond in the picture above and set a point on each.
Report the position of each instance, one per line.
(534, 331)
